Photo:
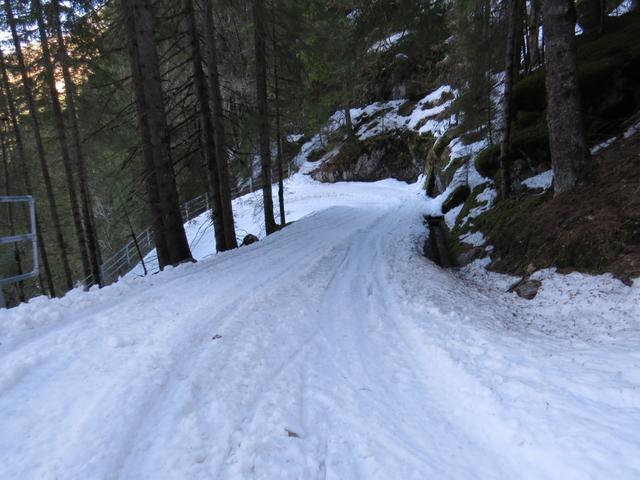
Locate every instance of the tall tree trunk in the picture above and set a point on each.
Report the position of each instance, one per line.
(151, 181)
(533, 40)
(483, 9)
(276, 88)
(512, 29)
(206, 124)
(10, 218)
(154, 129)
(62, 138)
(224, 177)
(86, 202)
(348, 122)
(518, 38)
(26, 174)
(263, 113)
(567, 139)
(42, 156)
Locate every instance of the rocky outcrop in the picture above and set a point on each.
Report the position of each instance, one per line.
(396, 154)
(436, 159)
(456, 198)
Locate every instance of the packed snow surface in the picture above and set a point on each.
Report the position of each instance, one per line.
(331, 350)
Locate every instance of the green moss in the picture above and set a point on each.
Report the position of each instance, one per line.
(456, 198)
(488, 161)
(532, 138)
(335, 137)
(452, 167)
(619, 40)
(598, 57)
(471, 203)
(407, 108)
(440, 146)
(454, 245)
(436, 154)
(349, 152)
(374, 118)
(397, 153)
(529, 137)
(529, 94)
(526, 118)
(496, 219)
(415, 90)
(316, 155)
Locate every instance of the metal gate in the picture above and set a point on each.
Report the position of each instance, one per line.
(25, 237)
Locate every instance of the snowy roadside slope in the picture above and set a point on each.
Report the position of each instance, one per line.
(333, 350)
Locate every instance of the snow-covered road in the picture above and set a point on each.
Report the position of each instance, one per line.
(330, 350)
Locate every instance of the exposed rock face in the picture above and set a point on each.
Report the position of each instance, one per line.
(437, 158)
(397, 154)
(435, 246)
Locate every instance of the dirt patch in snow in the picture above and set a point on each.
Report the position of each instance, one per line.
(593, 229)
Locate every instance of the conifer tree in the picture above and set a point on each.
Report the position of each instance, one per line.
(567, 138)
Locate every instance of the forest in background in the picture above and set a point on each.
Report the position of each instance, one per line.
(114, 113)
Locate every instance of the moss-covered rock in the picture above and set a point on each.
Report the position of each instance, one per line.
(407, 108)
(488, 161)
(317, 154)
(530, 140)
(462, 252)
(435, 162)
(470, 203)
(451, 167)
(397, 154)
(607, 74)
(456, 198)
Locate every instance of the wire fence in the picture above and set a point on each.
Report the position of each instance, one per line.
(135, 250)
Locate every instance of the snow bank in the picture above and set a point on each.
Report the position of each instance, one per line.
(388, 43)
(602, 146)
(631, 131)
(542, 181)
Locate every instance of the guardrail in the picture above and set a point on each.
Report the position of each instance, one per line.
(26, 237)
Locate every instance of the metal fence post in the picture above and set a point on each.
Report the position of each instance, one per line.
(28, 237)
